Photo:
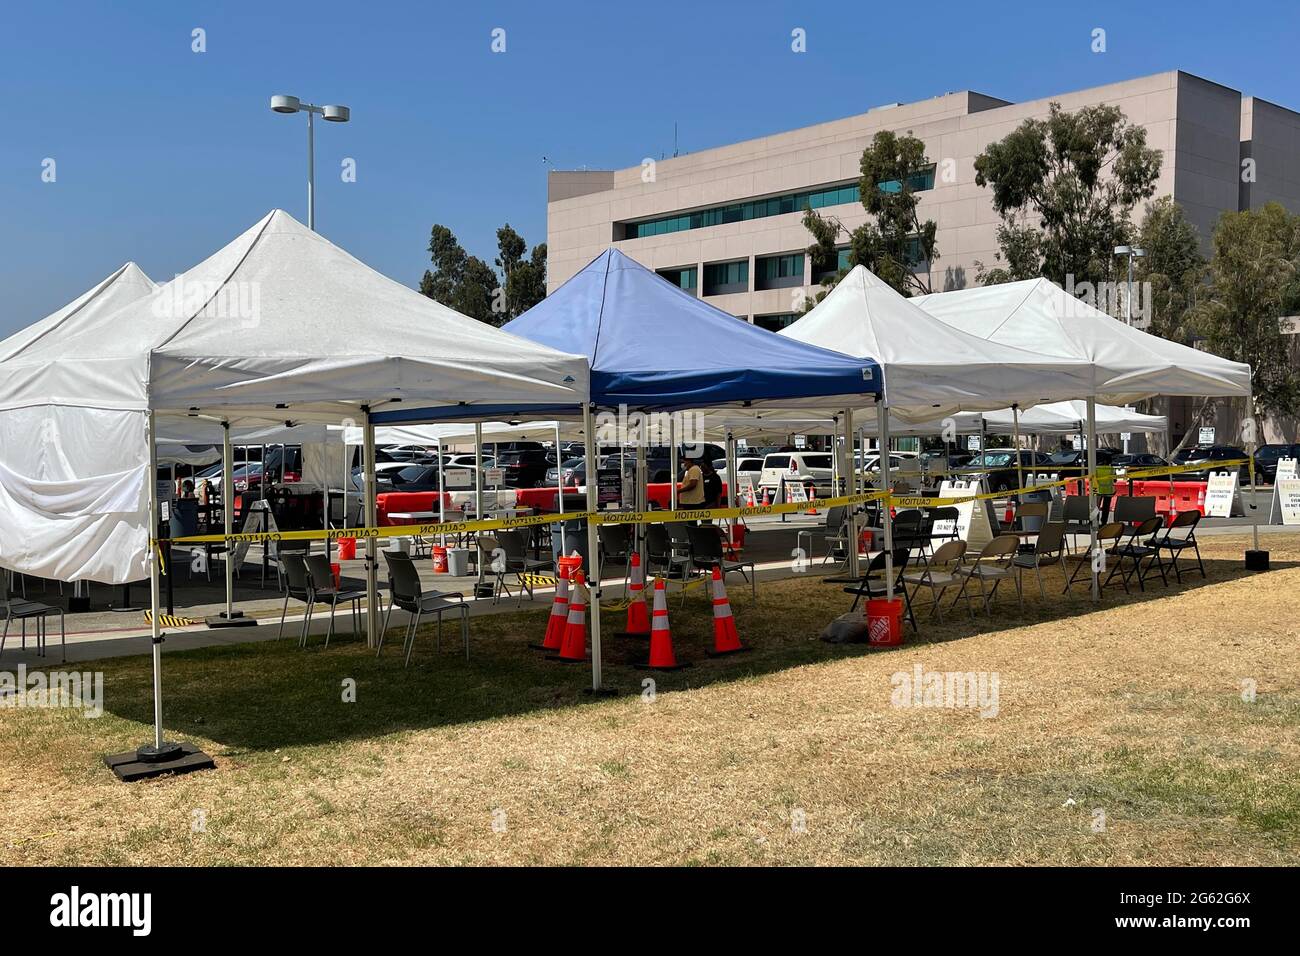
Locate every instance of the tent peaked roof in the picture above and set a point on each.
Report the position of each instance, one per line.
(283, 324)
(1129, 364)
(928, 364)
(126, 284)
(650, 344)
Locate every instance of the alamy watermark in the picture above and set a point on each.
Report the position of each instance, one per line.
(973, 690)
(651, 429)
(82, 690)
(1112, 298)
(237, 302)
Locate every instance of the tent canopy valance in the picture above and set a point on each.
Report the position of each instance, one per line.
(1127, 364)
(930, 367)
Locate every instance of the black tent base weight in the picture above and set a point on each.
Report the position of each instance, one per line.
(235, 619)
(1256, 560)
(149, 761)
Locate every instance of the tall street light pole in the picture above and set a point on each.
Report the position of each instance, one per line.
(333, 114)
(1131, 252)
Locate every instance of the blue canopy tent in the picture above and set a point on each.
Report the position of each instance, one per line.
(652, 346)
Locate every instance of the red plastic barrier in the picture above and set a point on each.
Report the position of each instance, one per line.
(540, 499)
(1170, 498)
(404, 501)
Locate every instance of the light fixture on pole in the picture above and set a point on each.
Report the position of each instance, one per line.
(281, 103)
(1131, 252)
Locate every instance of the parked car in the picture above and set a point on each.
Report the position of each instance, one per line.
(747, 466)
(522, 467)
(871, 462)
(1267, 457)
(805, 467)
(999, 464)
(1137, 460)
(575, 472)
(1208, 455)
(409, 453)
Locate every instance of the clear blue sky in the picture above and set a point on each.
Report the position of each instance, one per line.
(164, 154)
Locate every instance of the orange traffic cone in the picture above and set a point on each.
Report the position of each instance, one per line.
(812, 500)
(661, 657)
(638, 621)
(750, 502)
(555, 624)
(725, 638)
(573, 650)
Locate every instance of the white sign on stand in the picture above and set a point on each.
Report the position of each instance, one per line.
(1288, 494)
(745, 491)
(459, 478)
(955, 489)
(494, 477)
(1206, 435)
(795, 493)
(1286, 470)
(1223, 496)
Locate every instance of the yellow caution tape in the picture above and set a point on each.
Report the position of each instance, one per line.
(665, 517)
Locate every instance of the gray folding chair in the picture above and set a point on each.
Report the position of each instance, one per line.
(1107, 535)
(408, 594)
(1049, 548)
(993, 563)
(297, 585)
(707, 551)
(320, 580)
(1184, 523)
(17, 609)
(938, 574)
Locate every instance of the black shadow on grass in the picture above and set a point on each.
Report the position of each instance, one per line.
(265, 695)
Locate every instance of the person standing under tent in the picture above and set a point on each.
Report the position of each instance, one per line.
(712, 482)
(690, 493)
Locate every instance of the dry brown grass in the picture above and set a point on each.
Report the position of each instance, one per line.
(1134, 708)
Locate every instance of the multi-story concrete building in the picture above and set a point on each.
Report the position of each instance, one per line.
(725, 223)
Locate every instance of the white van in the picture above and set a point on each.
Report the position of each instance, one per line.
(801, 467)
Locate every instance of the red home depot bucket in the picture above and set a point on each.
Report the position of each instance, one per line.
(738, 536)
(439, 559)
(884, 622)
(347, 549)
(567, 565)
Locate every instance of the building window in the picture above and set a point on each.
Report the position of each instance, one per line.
(775, 323)
(835, 195)
(779, 272)
(919, 181)
(685, 278)
(721, 278)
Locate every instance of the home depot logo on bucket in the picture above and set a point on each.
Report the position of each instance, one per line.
(951, 689)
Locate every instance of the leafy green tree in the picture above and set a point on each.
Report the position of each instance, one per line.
(448, 266)
(478, 293)
(1021, 248)
(1078, 175)
(895, 240)
(472, 287)
(1254, 282)
(1173, 267)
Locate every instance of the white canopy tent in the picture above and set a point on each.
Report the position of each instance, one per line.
(1127, 364)
(280, 325)
(930, 369)
(69, 503)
